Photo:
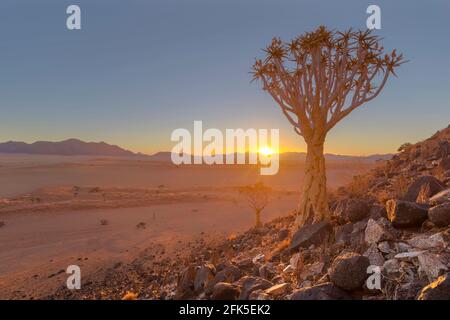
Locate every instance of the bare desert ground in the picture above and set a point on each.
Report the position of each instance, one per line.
(96, 212)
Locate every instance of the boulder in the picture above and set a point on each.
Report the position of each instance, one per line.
(431, 264)
(204, 277)
(406, 214)
(377, 231)
(225, 291)
(352, 210)
(229, 273)
(349, 271)
(278, 289)
(378, 211)
(374, 255)
(311, 270)
(324, 291)
(391, 267)
(185, 286)
(441, 197)
(342, 234)
(437, 290)
(426, 241)
(440, 214)
(249, 284)
(414, 188)
(267, 271)
(313, 234)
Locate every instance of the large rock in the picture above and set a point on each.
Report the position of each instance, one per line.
(414, 188)
(249, 284)
(313, 234)
(204, 277)
(405, 213)
(374, 255)
(325, 291)
(342, 234)
(440, 215)
(441, 197)
(229, 273)
(377, 231)
(349, 271)
(225, 291)
(185, 286)
(352, 210)
(437, 290)
(278, 289)
(432, 265)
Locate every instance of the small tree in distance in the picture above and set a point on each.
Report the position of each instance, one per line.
(257, 196)
(317, 79)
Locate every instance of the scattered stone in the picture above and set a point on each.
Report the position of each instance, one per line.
(349, 271)
(311, 270)
(259, 295)
(375, 257)
(391, 267)
(204, 277)
(431, 264)
(259, 258)
(342, 234)
(402, 247)
(384, 247)
(440, 214)
(377, 231)
(428, 242)
(406, 214)
(440, 198)
(225, 291)
(414, 188)
(267, 271)
(325, 291)
(437, 290)
(294, 260)
(407, 255)
(229, 273)
(249, 284)
(185, 286)
(314, 234)
(278, 289)
(352, 210)
(377, 211)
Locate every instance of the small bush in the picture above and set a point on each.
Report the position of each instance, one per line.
(359, 186)
(104, 222)
(141, 225)
(2, 224)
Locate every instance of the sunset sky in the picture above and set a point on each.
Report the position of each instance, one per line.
(139, 69)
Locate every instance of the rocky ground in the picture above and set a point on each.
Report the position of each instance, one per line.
(388, 239)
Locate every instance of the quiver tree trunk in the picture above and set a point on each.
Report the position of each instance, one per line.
(313, 205)
(258, 223)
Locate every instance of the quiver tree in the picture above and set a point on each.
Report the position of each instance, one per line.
(317, 79)
(257, 196)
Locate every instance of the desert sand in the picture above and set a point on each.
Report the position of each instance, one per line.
(96, 212)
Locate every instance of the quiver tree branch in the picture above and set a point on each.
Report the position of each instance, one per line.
(318, 79)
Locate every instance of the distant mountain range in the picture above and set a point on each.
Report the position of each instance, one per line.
(73, 147)
(67, 148)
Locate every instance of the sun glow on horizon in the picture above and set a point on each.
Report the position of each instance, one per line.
(267, 151)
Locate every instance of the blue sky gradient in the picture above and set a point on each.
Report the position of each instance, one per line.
(139, 69)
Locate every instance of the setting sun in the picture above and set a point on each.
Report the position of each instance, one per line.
(266, 151)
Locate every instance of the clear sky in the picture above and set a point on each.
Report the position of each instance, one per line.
(140, 68)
